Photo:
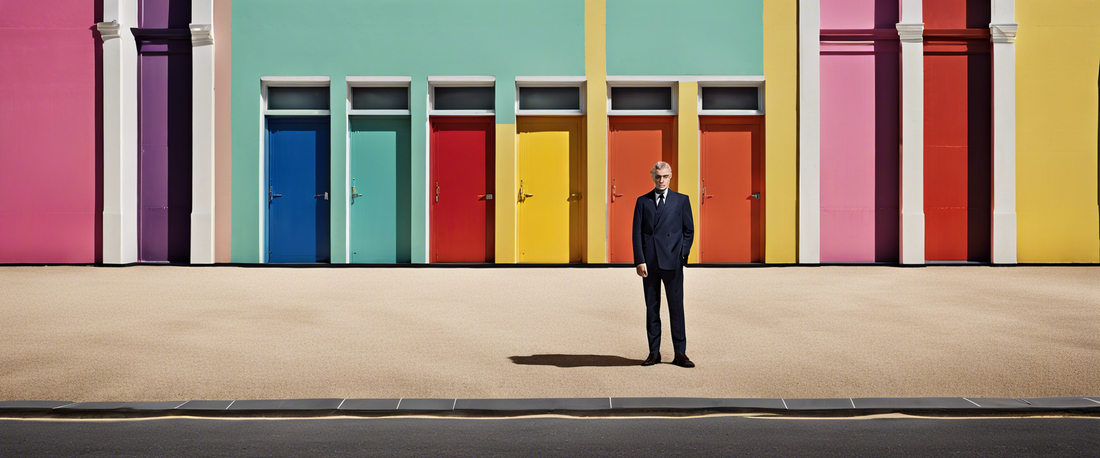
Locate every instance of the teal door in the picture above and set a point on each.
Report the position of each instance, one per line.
(380, 230)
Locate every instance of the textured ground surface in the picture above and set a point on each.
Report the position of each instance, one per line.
(154, 333)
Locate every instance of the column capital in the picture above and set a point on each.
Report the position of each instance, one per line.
(1003, 33)
(201, 35)
(108, 30)
(911, 33)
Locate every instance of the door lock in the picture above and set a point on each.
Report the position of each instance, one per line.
(755, 195)
(325, 195)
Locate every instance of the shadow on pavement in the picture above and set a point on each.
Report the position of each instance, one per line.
(575, 360)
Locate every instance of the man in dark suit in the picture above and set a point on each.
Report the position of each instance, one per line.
(663, 232)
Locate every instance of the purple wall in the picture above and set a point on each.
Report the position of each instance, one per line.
(164, 181)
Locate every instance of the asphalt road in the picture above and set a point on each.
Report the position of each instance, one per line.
(556, 436)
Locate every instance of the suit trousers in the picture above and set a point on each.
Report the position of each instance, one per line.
(674, 292)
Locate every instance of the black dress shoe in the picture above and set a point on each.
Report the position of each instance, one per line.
(682, 360)
(653, 358)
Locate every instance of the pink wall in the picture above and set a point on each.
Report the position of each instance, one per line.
(50, 203)
(859, 14)
(847, 153)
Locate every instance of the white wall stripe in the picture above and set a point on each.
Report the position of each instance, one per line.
(809, 132)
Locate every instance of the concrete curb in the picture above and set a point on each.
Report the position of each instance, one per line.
(585, 407)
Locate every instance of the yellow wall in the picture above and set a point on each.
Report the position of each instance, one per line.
(781, 130)
(595, 70)
(504, 195)
(687, 150)
(1057, 61)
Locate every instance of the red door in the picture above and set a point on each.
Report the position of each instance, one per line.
(732, 188)
(461, 217)
(635, 143)
(957, 131)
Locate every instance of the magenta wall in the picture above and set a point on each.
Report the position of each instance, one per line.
(859, 131)
(50, 204)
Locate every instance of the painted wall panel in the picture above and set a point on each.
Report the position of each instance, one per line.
(50, 197)
(164, 14)
(781, 136)
(1056, 149)
(164, 178)
(498, 38)
(701, 37)
(223, 132)
(859, 152)
(956, 14)
(859, 14)
(957, 139)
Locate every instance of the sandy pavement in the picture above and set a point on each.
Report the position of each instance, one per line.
(153, 333)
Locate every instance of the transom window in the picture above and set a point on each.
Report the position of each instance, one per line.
(641, 98)
(549, 98)
(380, 98)
(464, 98)
(730, 98)
(297, 98)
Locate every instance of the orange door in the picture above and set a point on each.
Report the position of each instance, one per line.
(732, 188)
(635, 143)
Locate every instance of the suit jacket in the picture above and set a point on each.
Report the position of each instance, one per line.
(664, 240)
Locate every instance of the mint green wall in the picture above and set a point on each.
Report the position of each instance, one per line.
(339, 38)
(687, 37)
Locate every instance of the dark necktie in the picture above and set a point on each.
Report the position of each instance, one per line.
(660, 203)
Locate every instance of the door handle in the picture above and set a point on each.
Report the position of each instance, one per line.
(354, 194)
(755, 195)
(522, 195)
(437, 191)
(613, 195)
(705, 196)
(575, 195)
(270, 194)
(325, 195)
(485, 196)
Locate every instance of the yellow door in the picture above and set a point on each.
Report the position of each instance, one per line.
(550, 226)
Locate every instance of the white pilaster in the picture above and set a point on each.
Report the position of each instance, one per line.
(1003, 31)
(202, 131)
(809, 132)
(910, 31)
(120, 149)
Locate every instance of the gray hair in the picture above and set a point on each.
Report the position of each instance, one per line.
(660, 165)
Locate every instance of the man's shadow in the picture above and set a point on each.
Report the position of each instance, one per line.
(575, 360)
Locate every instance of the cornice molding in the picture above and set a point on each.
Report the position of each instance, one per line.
(911, 33)
(1003, 33)
(108, 30)
(201, 34)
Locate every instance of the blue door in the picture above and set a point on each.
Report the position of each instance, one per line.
(298, 189)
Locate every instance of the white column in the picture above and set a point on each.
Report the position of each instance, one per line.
(1003, 31)
(911, 30)
(809, 132)
(202, 131)
(120, 149)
